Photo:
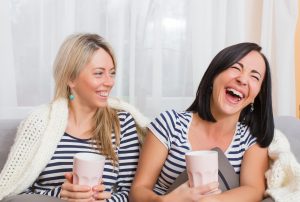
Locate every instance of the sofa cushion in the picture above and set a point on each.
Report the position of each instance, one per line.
(290, 126)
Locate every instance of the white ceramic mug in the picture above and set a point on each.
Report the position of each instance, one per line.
(202, 167)
(88, 168)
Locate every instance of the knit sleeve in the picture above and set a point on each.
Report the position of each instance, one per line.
(24, 148)
(128, 155)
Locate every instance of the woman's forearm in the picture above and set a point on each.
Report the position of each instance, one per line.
(243, 193)
(139, 194)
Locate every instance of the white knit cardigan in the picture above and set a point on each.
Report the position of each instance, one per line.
(283, 177)
(36, 140)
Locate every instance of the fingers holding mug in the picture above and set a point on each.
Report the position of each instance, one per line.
(100, 193)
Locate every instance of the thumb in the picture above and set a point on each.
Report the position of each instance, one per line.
(69, 177)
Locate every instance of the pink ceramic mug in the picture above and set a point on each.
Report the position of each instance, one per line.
(202, 167)
(88, 168)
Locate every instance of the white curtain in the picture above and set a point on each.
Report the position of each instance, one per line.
(278, 38)
(162, 47)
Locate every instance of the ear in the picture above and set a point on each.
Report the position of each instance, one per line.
(71, 84)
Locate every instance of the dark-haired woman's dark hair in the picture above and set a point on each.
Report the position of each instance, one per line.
(260, 121)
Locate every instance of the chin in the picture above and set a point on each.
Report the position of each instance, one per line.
(102, 104)
(232, 111)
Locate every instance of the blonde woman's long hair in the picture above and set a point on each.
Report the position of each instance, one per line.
(75, 52)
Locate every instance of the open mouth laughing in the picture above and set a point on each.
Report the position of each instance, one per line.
(234, 95)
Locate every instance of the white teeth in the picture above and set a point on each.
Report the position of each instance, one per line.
(103, 94)
(235, 92)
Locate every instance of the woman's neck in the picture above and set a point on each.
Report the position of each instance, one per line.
(205, 135)
(222, 127)
(80, 120)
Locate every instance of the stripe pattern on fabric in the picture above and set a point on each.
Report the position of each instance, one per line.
(116, 179)
(171, 128)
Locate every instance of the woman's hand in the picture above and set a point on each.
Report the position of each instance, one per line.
(192, 194)
(75, 193)
(100, 194)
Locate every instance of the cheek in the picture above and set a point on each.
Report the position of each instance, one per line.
(94, 82)
(217, 94)
(87, 86)
(255, 90)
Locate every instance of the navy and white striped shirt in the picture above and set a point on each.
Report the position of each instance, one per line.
(116, 179)
(171, 128)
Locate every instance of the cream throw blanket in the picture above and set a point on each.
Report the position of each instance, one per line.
(36, 141)
(283, 177)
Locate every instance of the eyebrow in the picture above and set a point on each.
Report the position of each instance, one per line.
(102, 68)
(253, 70)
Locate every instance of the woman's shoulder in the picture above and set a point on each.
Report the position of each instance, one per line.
(128, 111)
(38, 113)
(124, 115)
(41, 114)
(175, 116)
(171, 122)
(43, 110)
(36, 120)
(127, 122)
(242, 129)
(244, 135)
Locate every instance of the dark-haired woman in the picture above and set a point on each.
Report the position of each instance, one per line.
(233, 111)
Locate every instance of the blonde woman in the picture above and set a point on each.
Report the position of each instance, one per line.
(79, 119)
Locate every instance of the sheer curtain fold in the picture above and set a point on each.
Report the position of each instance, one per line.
(278, 31)
(8, 83)
(162, 47)
(285, 26)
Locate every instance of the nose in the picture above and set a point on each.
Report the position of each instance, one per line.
(109, 80)
(242, 80)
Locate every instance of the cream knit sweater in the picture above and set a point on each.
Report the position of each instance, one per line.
(36, 141)
(283, 177)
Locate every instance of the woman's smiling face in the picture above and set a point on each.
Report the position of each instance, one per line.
(95, 81)
(237, 86)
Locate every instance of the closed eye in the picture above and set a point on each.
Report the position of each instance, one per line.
(237, 68)
(113, 73)
(255, 77)
(98, 73)
(255, 74)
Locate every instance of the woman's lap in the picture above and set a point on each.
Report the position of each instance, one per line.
(31, 198)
